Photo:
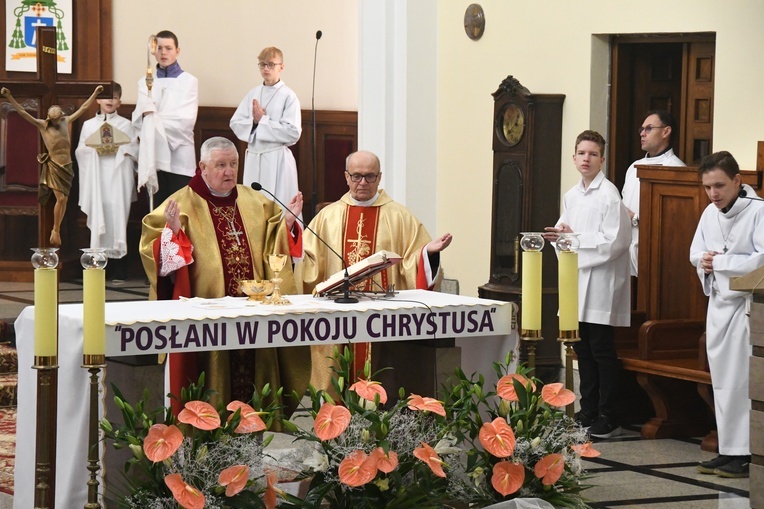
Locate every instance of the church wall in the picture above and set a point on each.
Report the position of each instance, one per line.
(220, 41)
(560, 47)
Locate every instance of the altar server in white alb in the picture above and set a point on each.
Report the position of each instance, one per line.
(165, 119)
(106, 158)
(655, 139)
(729, 242)
(269, 120)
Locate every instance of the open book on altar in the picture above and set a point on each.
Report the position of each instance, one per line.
(361, 271)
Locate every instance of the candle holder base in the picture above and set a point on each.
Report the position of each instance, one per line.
(93, 361)
(530, 337)
(568, 338)
(45, 362)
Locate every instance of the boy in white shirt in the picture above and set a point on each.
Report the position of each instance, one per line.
(594, 210)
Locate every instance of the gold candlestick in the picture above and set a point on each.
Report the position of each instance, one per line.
(530, 318)
(45, 261)
(567, 245)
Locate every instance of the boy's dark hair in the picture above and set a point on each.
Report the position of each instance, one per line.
(594, 136)
(166, 34)
(667, 119)
(116, 90)
(719, 160)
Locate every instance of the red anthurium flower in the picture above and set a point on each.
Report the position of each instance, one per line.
(507, 477)
(367, 389)
(271, 491)
(549, 468)
(386, 462)
(557, 395)
(417, 402)
(234, 479)
(357, 469)
(331, 421)
(585, 450)
(161, 442)
(498, 438)
(186, 495)
(200, 415)
(429, 456)
(505, 388)
(250, 419)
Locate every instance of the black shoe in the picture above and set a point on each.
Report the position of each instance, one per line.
(605, 427)
(710, 466)
(735, 469)
(583, 419)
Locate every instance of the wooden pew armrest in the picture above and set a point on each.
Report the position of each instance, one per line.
(670, 339)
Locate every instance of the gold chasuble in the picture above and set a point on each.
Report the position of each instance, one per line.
(358, 232)
(230, 236)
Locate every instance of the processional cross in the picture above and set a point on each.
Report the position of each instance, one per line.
(48, 88)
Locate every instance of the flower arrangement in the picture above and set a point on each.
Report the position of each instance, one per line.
(204, 458)
(370, 457)
(518, 442)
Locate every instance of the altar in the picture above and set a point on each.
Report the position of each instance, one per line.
(157, 327)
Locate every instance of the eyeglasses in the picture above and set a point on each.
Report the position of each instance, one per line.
(370, 178)
(269, 65)
(648, 129)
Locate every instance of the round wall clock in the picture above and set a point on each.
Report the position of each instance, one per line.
(513, 124)
(474, 21)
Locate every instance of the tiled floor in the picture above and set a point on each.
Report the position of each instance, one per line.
(631, 473)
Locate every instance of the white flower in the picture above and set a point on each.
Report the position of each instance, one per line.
(367, 404)
(446, 446)
(318, 462)
(535, 442)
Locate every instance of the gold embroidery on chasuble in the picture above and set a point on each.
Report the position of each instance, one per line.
(234, 248)
(361, 241)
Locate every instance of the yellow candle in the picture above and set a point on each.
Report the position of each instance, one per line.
(568, 290)
(45, 313)
(94, 303)
(530, 318)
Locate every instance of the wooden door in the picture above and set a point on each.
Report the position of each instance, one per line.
(673, 73)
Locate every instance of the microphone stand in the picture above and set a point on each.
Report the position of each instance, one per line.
(314, 192)
(346, 298)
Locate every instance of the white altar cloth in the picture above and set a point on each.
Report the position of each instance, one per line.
(206, 324)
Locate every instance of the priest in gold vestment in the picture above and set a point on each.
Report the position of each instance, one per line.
(364, 221)
(201, 242)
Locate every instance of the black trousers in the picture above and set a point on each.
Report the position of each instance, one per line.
(168, 184)
(598, 368)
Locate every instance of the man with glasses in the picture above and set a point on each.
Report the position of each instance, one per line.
(268, 119)
(655, 139)
(364, 221)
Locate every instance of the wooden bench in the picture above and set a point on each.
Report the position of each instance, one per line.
(670, 364)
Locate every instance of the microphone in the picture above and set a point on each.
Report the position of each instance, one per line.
(346, 298)
(314, 192)
(744, 194)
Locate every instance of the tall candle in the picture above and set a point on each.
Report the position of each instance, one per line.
(45, 312)
(94, 303)
(568, 290)
(530, 318)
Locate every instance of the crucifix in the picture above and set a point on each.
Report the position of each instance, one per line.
(49, 89)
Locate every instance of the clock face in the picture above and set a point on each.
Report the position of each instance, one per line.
(513, 124)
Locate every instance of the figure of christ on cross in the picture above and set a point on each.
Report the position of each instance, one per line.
(57, 172)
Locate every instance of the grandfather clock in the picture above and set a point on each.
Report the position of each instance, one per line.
(527, 143)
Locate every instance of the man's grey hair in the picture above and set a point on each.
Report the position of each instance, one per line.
(215, 143)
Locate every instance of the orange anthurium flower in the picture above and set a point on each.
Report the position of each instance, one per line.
(271, 491)
(429, 456)
(507, 477)
(161, 442)
(367, 389)
(549, 468)
(417, 402)
(557, 395)
(505, 388)
(585, 450)
(498, 438)
(250, 419)
(386, 462)
(331, 421)
(186, 495)
(234, 479)
(357, 469)
(200, 415)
